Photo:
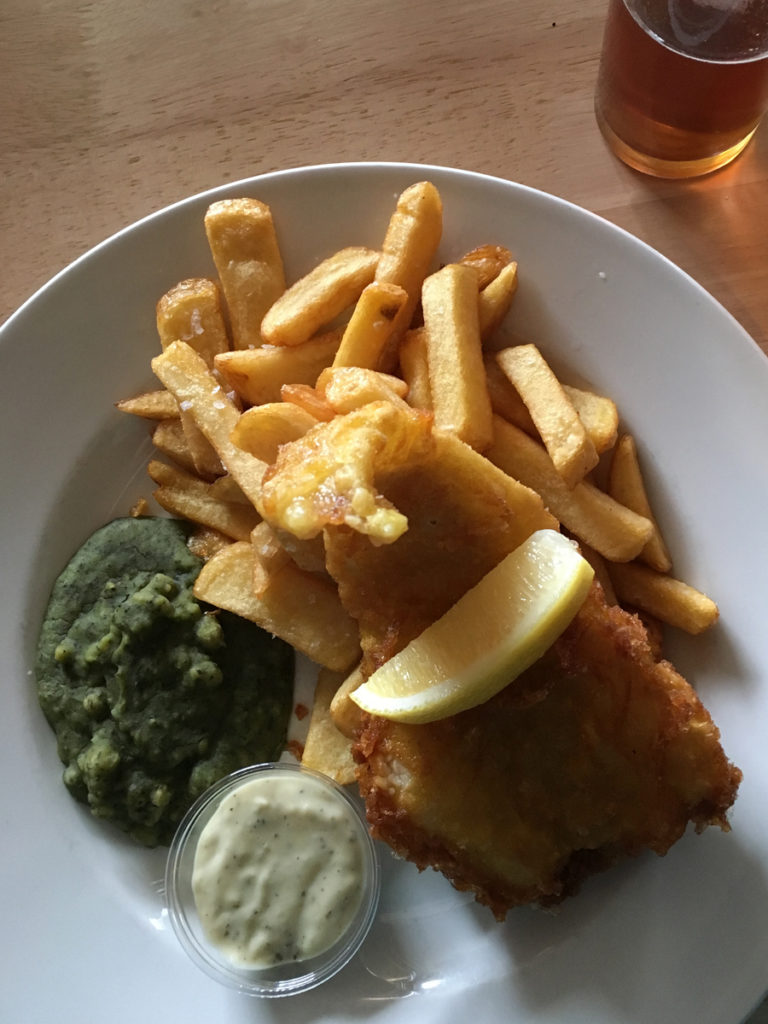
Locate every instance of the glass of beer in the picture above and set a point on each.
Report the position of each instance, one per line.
(682, 83)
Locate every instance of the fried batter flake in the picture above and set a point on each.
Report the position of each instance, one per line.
(328, 477)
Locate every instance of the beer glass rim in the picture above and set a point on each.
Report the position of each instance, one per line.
(638, 10)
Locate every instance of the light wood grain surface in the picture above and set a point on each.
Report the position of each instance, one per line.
(110, 110)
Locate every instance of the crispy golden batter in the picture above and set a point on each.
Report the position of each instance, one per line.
(464, 515)
(411, 518)
(597, 752)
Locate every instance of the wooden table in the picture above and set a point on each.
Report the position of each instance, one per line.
(110, 110)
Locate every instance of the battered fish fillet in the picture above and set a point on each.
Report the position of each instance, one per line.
(596, 753)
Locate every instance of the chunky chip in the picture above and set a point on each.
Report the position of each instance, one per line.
(487, 261)
(495, 301)
(326, 748)
(169, 439)
(598, 414)
(626, 484)
(670, 600)
(318, 298)
(259, 374)
(414, 368)
(557, 421)
(371, 325)
(204, 542)
(241, 235)
(310, 400)
(457, 378)
(191, 311)
(505, 398)
(408, 252)
(617, 532)
(346, 388)
(187, 376)
(346, 715)
(264, 428)
(301, 609)
(191, 498)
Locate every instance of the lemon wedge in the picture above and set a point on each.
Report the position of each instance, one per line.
(493, 633)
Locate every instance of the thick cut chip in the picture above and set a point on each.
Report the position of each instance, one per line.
(408, 251)
(310, 400)
(307, 554)
(617, 532)
(456, 373)
(347, 716)
(318, 298)
(557, 421)
(168, 437)
(414, 368)
(602, 575)
(259, 374)
(241, 235)
(226, 489)
(264, 428)
(191, 312)
(598, 414)
(186, 375)
(626, 484)
(667, 599)
(269, 556)
(204, 542)
(303, 611)
(347, 388)
(495, 301)
(306, 606)
(326, 749)
(206, 461)
(505, 398)
(371, 325)
(273, 548)
(193, 499)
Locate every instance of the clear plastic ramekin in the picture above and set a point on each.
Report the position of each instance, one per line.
(287, 978)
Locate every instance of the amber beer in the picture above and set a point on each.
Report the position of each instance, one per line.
(682, 83)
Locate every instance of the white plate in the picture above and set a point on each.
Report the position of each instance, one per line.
(678, 939)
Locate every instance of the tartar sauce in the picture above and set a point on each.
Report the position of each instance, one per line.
(278, 871)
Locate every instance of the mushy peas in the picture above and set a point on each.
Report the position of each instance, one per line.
(153, 696)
